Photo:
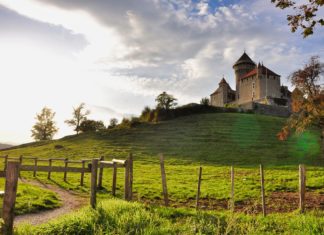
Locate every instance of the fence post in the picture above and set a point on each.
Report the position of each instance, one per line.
(164, 183)
(65, 171)
(126, 189)
(130, 165)
(232, 189)
(49, 172)
(94, 172)
(198, 189)
(264, 212)
(5, 163)
(102, 158)
(113, 190)
(302, 187)
(82, 173)
(35, 164)
(20, 161)
(9, 199)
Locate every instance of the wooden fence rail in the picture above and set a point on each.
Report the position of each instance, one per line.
(13, 168)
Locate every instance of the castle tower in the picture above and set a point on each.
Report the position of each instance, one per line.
(241, 67)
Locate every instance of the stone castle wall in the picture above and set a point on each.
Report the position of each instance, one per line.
(272, 110)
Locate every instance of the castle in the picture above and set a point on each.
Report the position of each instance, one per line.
(255, 83)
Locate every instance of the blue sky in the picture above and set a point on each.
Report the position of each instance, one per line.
(117, 56)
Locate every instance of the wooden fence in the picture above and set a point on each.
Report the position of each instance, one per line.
(302, 187)
(13, 167)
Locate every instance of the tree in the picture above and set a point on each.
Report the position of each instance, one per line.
(91, 126)
(307, 99)
(204, 101)
(304, 16)
(79, 115)
(165, 101)
(44, 128)
(113, 123)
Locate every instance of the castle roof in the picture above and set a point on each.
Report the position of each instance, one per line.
(244, 59)
(264, 71)
(223, 81)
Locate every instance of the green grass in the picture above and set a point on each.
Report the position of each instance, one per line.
(214, 141)
(119, 217)
(33, 199)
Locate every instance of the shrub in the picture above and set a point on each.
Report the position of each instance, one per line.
(91, 126)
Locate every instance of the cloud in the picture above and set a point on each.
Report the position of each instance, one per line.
(126, 52)
(18, 28)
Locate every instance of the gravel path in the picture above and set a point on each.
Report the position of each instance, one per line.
(70, 202)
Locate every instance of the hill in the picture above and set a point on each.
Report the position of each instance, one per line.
(214, 141)
(5, 146)
(218, 138)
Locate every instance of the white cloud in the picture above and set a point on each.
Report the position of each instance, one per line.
(129, 51)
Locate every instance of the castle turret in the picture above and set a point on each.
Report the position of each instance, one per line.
(241, 67)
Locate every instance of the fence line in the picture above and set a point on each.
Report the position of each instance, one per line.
(12, 171)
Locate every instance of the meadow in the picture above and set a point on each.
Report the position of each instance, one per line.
(214, 141)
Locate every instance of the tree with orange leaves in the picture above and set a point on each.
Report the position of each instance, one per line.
(307, 100)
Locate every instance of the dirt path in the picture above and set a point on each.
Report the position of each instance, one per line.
(70, 202)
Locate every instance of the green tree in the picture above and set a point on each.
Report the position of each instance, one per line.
(205, 101)
(307, 100)
(91, 126)
(79, 115)
(45, 127)
(113, 123)
(304, 15)
(165, 101)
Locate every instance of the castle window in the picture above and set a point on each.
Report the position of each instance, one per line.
(253, 85)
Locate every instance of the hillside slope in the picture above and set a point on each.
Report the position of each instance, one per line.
(213, 141)
(219, 138)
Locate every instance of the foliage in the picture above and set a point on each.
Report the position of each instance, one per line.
(113, 123)
(129, 123)
(120, 217)
(79, 115)
(205, 101)
(45, 127)
(304, 16)
(91, 126)
(165, 101)
(147, 114)
(307, 99)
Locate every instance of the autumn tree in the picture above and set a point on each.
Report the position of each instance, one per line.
(304, 16)
(307, 99)
(79, 115)
(165, 101)
(45, 127)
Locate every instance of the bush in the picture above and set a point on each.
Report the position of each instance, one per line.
(91, 126)
(129, 123)
(113, 123)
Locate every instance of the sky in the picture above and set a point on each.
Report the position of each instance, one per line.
(117, 56)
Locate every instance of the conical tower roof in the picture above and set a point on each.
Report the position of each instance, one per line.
(222, 81)
(244, 59)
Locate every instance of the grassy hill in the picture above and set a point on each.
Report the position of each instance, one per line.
(220, 138)
(214, 141)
